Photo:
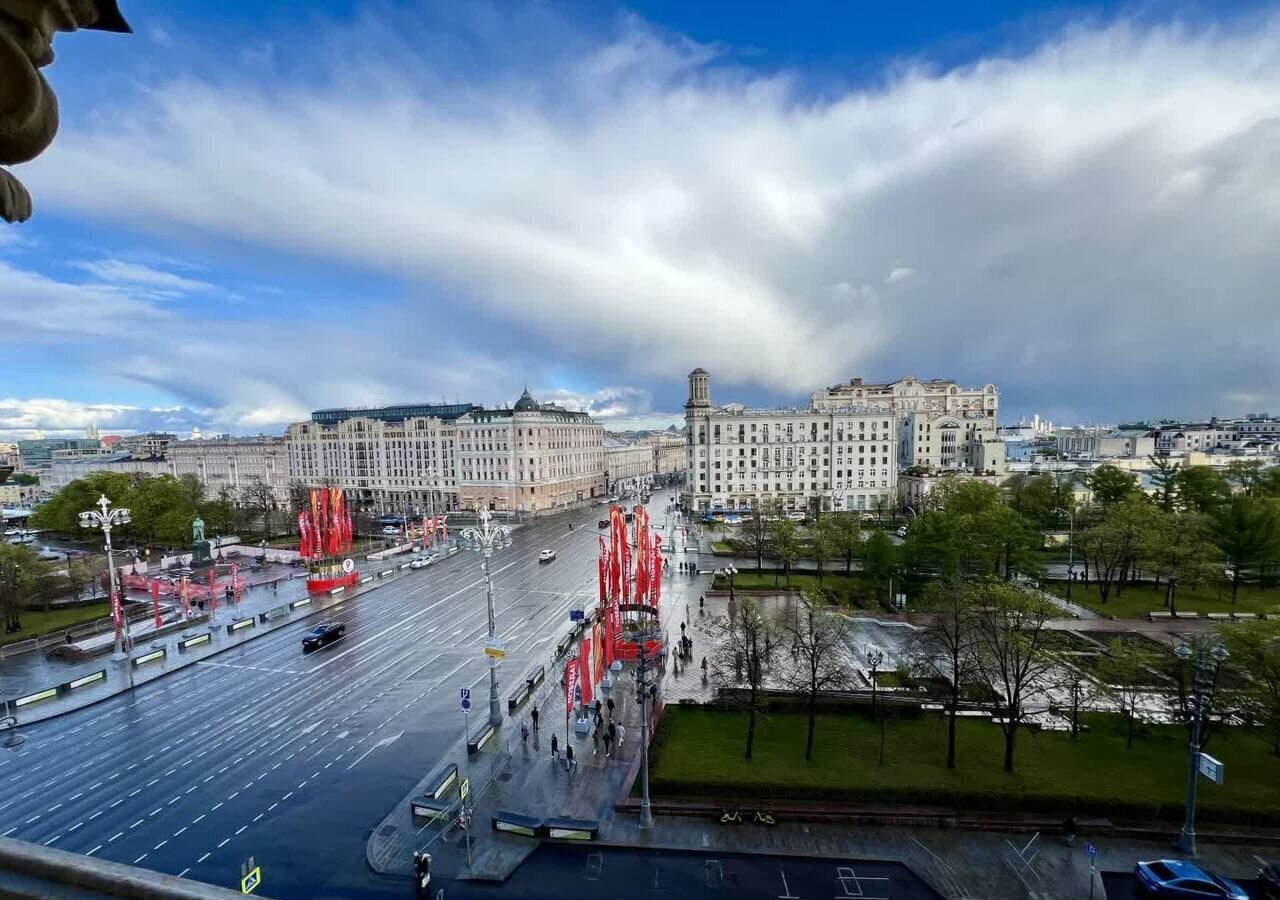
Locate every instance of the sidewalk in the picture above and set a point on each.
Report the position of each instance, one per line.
(31, 673)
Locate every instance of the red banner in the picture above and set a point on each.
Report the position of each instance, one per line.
(155, 604)
(213, 593)
(185, 593)
(598, 642)
(570, 686)
(656, 597)
(117, 613)
(584, 666)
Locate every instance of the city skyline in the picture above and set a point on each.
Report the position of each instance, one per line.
(1069, 204)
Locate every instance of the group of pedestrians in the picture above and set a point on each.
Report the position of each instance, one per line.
(690, 567)
(610, 732)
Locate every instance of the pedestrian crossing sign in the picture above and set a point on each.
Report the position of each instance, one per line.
(249, 883)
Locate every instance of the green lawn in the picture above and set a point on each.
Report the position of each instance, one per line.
(1136, 602)
(836, 587)
(699, 753)
(34, 623)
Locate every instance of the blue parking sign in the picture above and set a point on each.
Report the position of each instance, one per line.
(464, 695)
(1093, 851)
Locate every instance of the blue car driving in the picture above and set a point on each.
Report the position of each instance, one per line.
(1180, 878)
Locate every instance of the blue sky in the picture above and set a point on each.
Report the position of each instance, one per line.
(253, 210)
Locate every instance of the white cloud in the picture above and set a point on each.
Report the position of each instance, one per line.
(34, 307)
(118, 271)
(58, 417)
(1109, 204)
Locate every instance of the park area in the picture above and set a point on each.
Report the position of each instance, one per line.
(1136, 601)
(699, 753)
(35, 622)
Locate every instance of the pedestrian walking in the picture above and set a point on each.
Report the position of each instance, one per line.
(608, 744)
(275, 587)
(622, 733)
(595, 741)
(599, 719)
(609, 703)
(704, 667)
(569, 762)
(613, 732)
(524, 732)
(534, 715)
(555, 748)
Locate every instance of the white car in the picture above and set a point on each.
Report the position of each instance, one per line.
(390, 529)
(420, 562)
(902, 531)
(796, 516)
(546, 556)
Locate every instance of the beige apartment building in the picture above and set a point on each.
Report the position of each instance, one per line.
(233, 463)
(390, 460)
(668, 452)
(531, 458)
(626, 461)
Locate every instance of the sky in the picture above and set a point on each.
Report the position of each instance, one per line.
(256, 210)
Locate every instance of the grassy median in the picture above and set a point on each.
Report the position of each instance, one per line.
(36, 623)
(1136, 601)
(698, 753)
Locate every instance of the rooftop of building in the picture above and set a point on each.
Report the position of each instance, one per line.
(397, 413)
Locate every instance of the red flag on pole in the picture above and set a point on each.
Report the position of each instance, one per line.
(155, 604)
(213, 594)
(584, 665)
(570, 687)
(186, 598)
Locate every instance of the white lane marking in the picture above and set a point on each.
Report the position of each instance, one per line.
(95, 815)
(224, 843)
(184, 871)
(258, 816)
(241, 828)
(153, 782)
(135, 792)
(94, 787)
(215, 809)
(180, 830)
(56, 806)
(9, 832)
(161, 844)
(234, 796)
(136, 824)
(287, 796)
(119, 834)
(155, 812)
(52, 839)
(94, 850)
(32, 819)
(196, 820)
(74, 827)
(140, 859)
(210, 778)
(203, 858)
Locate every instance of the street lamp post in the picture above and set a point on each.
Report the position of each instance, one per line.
(107, 518)
(642, 696)
(1071, 547)
(485, 537)
(1206, 662)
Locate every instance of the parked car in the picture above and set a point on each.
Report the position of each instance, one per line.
(420, 562)
(796, 516)
(1182, 878)
(322, 635)
(1269, 881)
(546, 556)
(902, 531)
(603, 523)
(390, 529)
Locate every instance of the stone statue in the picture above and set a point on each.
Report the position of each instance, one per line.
(197, 530)
(28, 107)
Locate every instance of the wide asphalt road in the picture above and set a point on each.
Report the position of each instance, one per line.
(289, 758)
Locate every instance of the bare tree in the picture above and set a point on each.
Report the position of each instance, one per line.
(945, 647)
(745, 655)
(257, 495)
(1125, 675)
(1011, 653)
(818, 661)
(78, 576)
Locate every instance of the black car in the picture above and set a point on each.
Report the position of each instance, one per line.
(603, 523)
(322, 634)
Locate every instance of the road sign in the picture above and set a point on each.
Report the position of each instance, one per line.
(464, 697)
(249, 883)
(495, 648)
(576, 615)
(1093, 852)
(464, 791)
(1212, 769)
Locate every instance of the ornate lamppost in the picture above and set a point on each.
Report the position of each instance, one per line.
(1206, 661)
(106, 518)
(486, 537)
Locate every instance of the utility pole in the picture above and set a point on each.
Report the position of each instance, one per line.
(642, 695)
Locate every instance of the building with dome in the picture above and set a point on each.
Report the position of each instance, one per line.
(530, 458)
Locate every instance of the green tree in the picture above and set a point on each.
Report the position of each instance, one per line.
(219, 514)
(755, 530)
(1112, 545)
(1111, 485)
(61, 512)
(879, 558)
(1011, 653)
(1202, 489)
(847, 533)
(823, 539)
(933, 545)
(1248, 474)
(971, 498)
(945, 647)
(1247, 530)
(785, 538)
(20, 570)
(79, 576)
(819, 664)
(1125, 675)
(1007, 539)
(1255, 648)
(1180, 549)
(25, 479)
(162, 510)
(1165, 480)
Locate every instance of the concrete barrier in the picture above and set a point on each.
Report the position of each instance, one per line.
(198, 640)
(515, 823)
(241, 625)
(444, 779)
(85, 680)
(37, 697)
(572, 829)
(366, 579)
(333, 592)
(476, 742)
(536, 677)
(518, 696)
(298, 604)
(154, 656)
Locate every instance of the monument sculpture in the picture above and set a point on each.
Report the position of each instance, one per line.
(200, 558)
(28, 107)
